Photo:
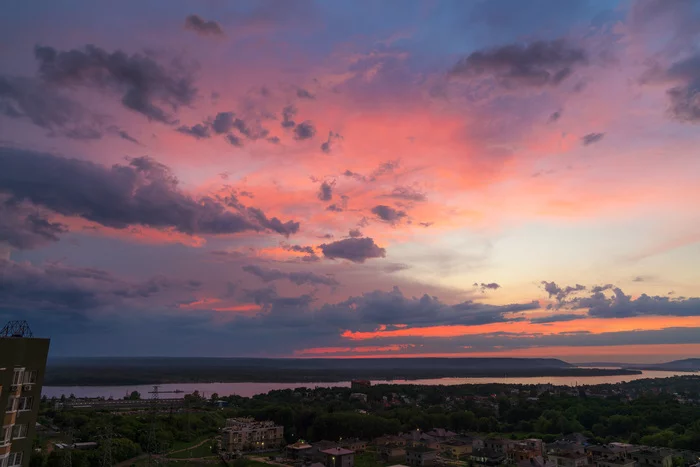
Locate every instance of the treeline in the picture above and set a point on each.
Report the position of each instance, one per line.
(131, 433)
(328, 413)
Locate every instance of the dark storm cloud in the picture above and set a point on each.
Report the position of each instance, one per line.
(388, 214)
(541, 63)
(304, 130)
(555, 116)
(561, 293)
(325, 191)
(556, 318)
(355, 233)
(372, 309)
(144, 192)
(297, 277)
(25, 227)
(406, 193)
(25, 98)
(58, 287)
(288, 114)
(327, 145)
(197, 131)
(619, 305)
(334, 208)
(591, 138)
(304, 94)
(356, 250)
(202, 27)
(234, 140)
(487, 286)
(223, 122)
(274, 139)
(124, 135)
(147, 86)
(299, 248)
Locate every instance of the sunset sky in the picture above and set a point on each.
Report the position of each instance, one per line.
(358, 178)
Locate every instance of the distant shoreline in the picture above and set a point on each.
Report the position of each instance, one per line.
(66, 377)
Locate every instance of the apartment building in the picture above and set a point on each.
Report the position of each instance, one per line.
(247, 434)
(22, 365)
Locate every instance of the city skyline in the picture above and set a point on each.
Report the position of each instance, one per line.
(331, 179)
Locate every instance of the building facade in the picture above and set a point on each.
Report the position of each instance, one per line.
(22, 366)
(339, 457)
(247, 434)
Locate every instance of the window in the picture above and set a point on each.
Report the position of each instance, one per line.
(19, 431)
(5, 434)
(11, 404)
(30, 377)
(25, 403)
(17, 376)
(15, 458)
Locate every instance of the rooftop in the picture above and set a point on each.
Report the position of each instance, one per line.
(338, 451)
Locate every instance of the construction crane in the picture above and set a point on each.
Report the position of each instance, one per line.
(156, 391)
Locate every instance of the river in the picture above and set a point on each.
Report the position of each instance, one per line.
(251, 389)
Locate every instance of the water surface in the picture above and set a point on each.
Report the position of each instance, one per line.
(251, 389)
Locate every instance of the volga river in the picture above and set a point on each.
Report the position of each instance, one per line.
(251, 389)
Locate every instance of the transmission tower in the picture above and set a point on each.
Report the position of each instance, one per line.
(106, 460)
(18, 328)
(152, 441)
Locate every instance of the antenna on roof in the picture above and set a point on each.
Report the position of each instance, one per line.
(17, 328)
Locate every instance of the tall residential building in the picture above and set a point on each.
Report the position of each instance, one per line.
(22, 365)
(246, 434)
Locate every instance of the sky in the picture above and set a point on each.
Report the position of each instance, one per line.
(344, 179)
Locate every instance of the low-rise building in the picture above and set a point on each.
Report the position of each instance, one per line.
(339, 457)
(299, 450)
(614, 462)
(316, 452)
(499, 445)
(391, 452)
(390, 439)
(354, 444)
(247, 434)
(568, 459)
(456, 448)
(485, 458)
(420, 456)
(652, 458)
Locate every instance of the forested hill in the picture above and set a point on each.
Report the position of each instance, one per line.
(151, 370)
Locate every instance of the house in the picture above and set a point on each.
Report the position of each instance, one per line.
(418, 438)
(568, 459)
(354, 444)
(485, 458)
(339, 457)
(652, 458)
(358, 396)
(498, 445)
(420, 456)
(316, 452)
(456, 448)
(391, 452)
(562, 446)
(299, 450)
(390, 439)
(614, 462)
(475, 441)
